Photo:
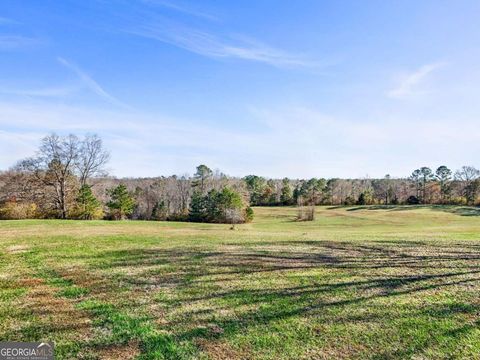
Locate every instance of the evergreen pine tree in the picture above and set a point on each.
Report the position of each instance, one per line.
(88, 205)
(197, 211)
(121, 202)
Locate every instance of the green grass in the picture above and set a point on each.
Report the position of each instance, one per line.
(358, 282)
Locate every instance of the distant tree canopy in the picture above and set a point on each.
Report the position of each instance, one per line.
(66, 178)
(286, 196)
(256, 186)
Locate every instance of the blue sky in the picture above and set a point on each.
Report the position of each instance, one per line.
(276, 88)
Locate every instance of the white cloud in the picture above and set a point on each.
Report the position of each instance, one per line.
(90, 83)
(408, 84)
(209, 45)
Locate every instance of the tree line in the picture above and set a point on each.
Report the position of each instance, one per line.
(67, 179)
(424, 186)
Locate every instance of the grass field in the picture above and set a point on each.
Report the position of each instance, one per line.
(359, 282)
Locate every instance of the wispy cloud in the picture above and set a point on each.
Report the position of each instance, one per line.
(182, 8)
(13, 42)
(90, 83)
(409, 82)
(307, 142)
(209, 45)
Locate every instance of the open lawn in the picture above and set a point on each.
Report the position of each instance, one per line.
(358, 282)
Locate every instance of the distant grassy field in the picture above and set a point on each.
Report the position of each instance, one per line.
(358, 282)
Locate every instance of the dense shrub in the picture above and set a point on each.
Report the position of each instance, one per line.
(249, 214)
(458, 200)
(366, 198)
(349, 200)
(12, 210)
(178, 217)
(224, 206)
(413, 200)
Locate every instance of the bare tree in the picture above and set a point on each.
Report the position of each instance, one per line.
(58, 162)
(467, 173)
(468, 176)
(91, 159)
(383, 189)
(54, 166)
(416, 178)
(306, 210)
(184, 191)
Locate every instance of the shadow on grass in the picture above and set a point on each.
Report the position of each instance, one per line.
(361, 276)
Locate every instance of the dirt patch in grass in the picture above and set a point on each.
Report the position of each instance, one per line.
(125, 352)
(17, 249)
(86, 279)
(30, 282)
(220, 350)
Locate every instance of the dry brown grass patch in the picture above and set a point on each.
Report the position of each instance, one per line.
(221, 350)
(120, 352)
(55, 313)
(17, 249)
